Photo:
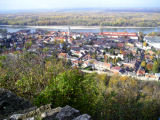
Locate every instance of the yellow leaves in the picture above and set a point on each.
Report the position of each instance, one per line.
(158, 52)
(148, 89)
(144, 44)
(101, 76)
(143, 64)
(61, 41)
(19, 83)
(56, 41)
(91, 61)
(40, 36)
(121, 51)
(152, 34)
(124, 78)
(117, 80)
(151, 57)
(48, 64)
(149, 66)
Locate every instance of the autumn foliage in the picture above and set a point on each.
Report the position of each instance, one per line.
(45, 80)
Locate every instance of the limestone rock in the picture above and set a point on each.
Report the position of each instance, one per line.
(15, 116)
(11, 103)
(32, 118)
(67, 113)
(20, 109)
(83, 117)
(50, 115)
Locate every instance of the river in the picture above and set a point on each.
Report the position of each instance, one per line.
(93, 29)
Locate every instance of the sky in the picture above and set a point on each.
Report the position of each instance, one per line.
(61, 4)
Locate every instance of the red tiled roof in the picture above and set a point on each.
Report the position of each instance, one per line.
(59, 38)
(141, 72)
(116, 68)
(62, 54)
(120, 44)
(118, 34)
(77, 52)
(107, 64)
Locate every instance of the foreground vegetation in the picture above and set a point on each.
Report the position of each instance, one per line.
(141, 19)
(45, 80)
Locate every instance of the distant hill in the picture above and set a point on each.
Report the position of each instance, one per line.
(83, 9)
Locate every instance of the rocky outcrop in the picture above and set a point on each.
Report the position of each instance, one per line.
(67, 113)
(13, 107)
(46, 113)
(11, 103)
(83, 117)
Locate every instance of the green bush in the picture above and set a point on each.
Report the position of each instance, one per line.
(72, 88)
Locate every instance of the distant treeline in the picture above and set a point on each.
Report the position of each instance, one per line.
(139, 19)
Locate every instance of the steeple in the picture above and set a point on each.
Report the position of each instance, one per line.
(69, 31)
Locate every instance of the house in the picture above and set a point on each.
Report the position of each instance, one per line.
(139, 45)
(76, 63)
(102, 65)
(87, 57)
(120, 45)
(147, 56)
(76, 36)
(141, 72)
(157, 75)
(120, 56)
(150, 76)
(78, 53)
(120, 34)
(153, 41)
(130, 64)
(62, 55)
(86, 64)
(116, 69)
(151, 52)
(115, 56)
(130, 45)
(60, 39)
(1, 36)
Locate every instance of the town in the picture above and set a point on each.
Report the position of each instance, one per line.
(127, 54)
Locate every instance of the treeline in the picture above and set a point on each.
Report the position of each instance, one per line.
(83, 18)
(154, 34)
(51, 80)
(3, 31)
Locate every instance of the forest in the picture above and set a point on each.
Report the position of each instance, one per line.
(90, 18)
(44, 80)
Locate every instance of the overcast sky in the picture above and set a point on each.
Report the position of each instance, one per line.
(52, 4)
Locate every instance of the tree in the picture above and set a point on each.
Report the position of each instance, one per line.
(72, 88)
(143, 63)
(151, 57)
(3, 31)
(141, 36)
(155, 68)
(152, 34)
(65, 48)
(149, 66)
(124, 86)
(145, 44)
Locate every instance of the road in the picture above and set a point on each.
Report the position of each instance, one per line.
(111, 74)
